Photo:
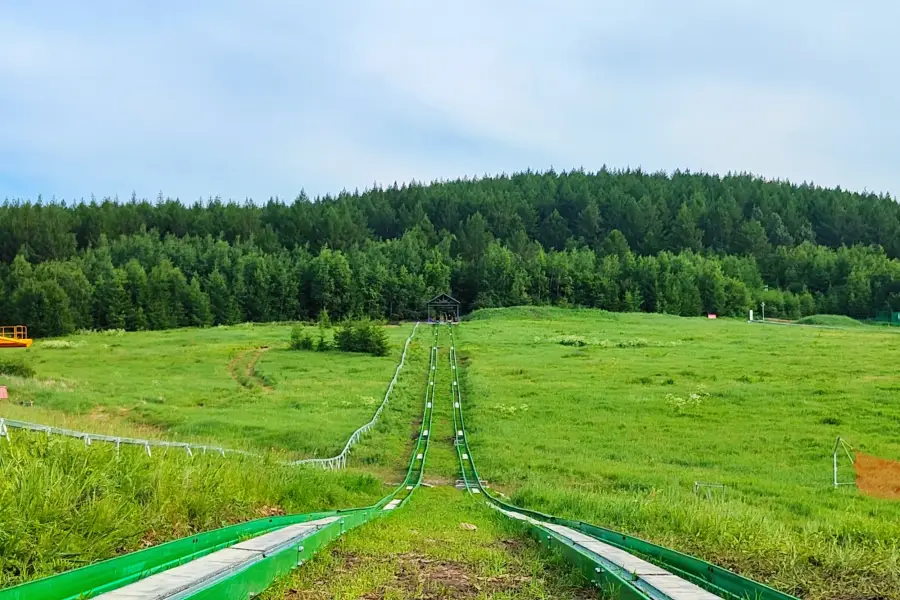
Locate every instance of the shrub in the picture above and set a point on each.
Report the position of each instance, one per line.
(300, 338)
(572, 340)
(322, 344)
(107, 332)
(15, 367)
(362, 336)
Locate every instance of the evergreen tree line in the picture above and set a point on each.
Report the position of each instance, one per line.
(144, 281)
(735, 214)
(682, 243)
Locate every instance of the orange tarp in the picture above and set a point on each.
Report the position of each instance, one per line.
(877, 477)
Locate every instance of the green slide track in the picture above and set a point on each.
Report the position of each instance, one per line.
(232, 563)
(626, 566)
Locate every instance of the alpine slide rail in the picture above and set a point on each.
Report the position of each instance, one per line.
(240, 561)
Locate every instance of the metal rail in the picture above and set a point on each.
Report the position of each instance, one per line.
(222, 576)
(335, 462)
(619, 562)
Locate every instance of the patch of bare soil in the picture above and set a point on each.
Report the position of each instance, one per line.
(106, 421)
(270, 511)
(877, 477)
(438, 481)
(416, 576)
(98, 413)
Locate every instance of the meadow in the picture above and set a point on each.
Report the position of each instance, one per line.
(613, 417)
(237, 386)
(607, 417)
(64, 504)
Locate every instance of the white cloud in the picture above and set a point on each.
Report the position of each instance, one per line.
(264, 99)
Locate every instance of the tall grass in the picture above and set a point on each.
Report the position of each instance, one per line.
(64, 505)
(15, 367)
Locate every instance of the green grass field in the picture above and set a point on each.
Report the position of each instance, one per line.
(63, 505)
(208, 385)
(612, 418)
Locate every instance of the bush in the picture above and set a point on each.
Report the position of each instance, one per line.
(322, 344)
(15, 367)
(362, 336)
(300, 338)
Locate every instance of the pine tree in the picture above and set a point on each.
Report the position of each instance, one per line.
(685, 233)
(223, 307)
(197, 305)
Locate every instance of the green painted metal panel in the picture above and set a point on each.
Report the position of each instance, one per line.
(116, 572)
(584, 562)
(260, 575)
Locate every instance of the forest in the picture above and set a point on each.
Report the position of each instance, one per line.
(681, 243)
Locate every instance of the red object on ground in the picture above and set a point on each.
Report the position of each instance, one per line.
(711, 315)
(3, 394)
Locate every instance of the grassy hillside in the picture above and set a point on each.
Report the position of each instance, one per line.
(607, 417)
(236, 386)
(612, 418)
(830, 321)
(63, 505)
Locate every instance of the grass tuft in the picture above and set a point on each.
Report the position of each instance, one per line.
(64, 505)
(62, 344)
(15, 367)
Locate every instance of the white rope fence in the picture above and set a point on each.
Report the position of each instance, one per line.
(340, 461)
(5, 424)
(334, 462)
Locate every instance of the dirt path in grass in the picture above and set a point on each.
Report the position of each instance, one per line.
(248, 377)
(251, 368)
(878, 477)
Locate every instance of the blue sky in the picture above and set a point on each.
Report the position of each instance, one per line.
(261, 99)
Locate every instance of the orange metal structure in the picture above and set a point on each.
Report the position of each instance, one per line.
(15, 336)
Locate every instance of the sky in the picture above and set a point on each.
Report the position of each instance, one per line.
(268, 98)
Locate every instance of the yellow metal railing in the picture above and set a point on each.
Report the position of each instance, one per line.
(15, 332)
